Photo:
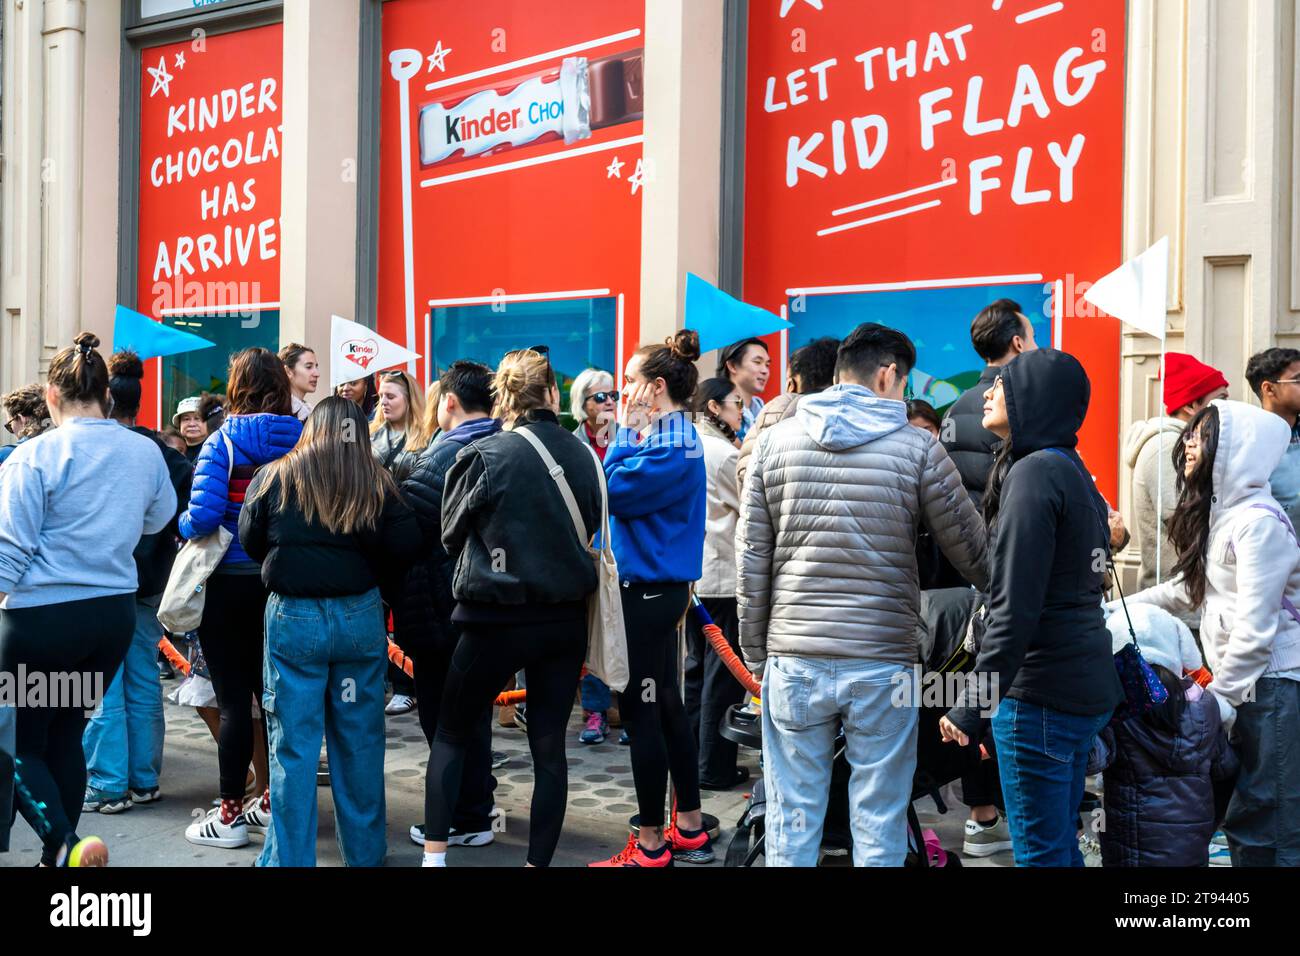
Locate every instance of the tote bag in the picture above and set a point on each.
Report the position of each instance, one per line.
(181, 607)
(606, 637)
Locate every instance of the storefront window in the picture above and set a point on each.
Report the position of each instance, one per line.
(581, 334)
(193, 373)
(936, 320)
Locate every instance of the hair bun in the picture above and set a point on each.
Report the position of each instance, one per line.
(125, 364)
(86, 340)
(685, 345)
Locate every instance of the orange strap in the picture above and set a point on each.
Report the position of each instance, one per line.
(729, 658)
(1201, 676)
(173, 656)
(407, 666)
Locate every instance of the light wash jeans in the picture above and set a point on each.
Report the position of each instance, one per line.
(805, 701)
(324, 674)
(124, 739)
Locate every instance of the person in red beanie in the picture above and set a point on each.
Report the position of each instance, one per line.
(1189, 385)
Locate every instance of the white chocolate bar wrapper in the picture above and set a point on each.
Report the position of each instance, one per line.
(489, 119)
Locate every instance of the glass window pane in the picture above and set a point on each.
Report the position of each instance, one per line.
(192, 373)
(581, 334)
(936, 320)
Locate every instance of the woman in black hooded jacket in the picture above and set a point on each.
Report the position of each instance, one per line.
(1045, 660)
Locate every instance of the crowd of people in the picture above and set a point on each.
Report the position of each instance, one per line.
(459, 523)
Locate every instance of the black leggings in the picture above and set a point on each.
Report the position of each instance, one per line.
(551, 654)
(651, 708)
(87, 639)
(231, 636)
(432, 661)
(710, 690)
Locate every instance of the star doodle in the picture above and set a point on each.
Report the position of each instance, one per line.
(615, 169)
(438, 58)
(180, 60)
(637, 179)
(161, 78)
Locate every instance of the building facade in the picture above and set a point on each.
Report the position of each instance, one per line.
(463, 177)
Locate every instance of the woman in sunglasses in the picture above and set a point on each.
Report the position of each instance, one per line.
(594, 406)
(25, 416)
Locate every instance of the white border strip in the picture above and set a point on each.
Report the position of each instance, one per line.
(917, 284)
(618, 346)
(521, 297)
(785, 350)
(214, 309)
(530, 60)
(1058, 312)
(894, 214)
(534, 161)
(1046, 11)
(903, 195)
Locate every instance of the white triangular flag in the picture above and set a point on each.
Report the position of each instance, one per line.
(358, 352)
(1136, 292)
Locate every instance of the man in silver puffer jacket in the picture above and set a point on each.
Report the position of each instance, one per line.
(829, 595)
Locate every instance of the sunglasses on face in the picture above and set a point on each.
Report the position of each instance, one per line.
(600, 398)
(9, 425)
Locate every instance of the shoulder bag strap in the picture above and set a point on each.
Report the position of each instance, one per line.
(562, 483)
(230, 455)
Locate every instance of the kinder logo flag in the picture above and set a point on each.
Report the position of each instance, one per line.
(359, 352)
(150, 339)
(721, 319)
(1135, 292)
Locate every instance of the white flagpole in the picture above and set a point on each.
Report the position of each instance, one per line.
(1160, 471)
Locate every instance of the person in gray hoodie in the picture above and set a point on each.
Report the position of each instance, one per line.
(828, 594)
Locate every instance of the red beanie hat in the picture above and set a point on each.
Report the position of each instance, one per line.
(1187, 380)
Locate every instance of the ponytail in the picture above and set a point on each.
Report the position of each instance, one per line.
(79, 373)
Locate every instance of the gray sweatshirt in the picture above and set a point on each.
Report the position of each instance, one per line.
(73, 505)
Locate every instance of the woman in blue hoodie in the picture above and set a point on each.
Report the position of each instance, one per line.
(658, 499)
(260, 428)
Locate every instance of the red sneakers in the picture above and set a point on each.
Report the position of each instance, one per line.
(695, 848)
(634, 855)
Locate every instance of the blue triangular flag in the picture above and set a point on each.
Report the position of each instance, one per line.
(150, 339)
(721, 319)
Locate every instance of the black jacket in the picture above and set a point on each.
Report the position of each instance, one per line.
(506, 525)
(969, 444)
(423, 605)
(156, 553)
(1047, 640)
(1160, 807)
(304, 559)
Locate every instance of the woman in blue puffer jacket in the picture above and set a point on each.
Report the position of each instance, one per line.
(259, 428)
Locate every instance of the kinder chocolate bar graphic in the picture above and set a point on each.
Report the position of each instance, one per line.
(560, 104)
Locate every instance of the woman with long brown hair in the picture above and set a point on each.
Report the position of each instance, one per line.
(259, 427)
(1237, 564)
(75, 501)
(523, 576)
(327, 524)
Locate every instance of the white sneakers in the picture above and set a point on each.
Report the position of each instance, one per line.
(210, 831)
(400, 704)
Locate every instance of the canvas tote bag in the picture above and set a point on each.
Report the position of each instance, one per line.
(181, 607)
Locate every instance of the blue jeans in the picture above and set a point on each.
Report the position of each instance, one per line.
(1042, 757)
(124, 739)
(324, 673)
(595, 694)
(805, 702)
